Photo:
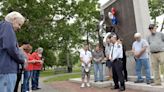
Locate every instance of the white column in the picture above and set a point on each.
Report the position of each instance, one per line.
(142, 16)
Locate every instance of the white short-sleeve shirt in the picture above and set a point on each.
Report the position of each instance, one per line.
(117, 51)
(138, 45)
(86, 56)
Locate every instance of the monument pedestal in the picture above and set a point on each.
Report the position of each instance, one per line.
(133, 16)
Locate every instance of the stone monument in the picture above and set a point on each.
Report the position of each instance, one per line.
(132, 16)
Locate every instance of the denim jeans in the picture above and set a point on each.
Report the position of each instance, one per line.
(146, 64)
(7, 82)
(98, 69)
(35, 79)
(26, 79)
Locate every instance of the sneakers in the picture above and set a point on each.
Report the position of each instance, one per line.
(83, 85)
(88, 85)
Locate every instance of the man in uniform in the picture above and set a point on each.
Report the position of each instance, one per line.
(116, 55)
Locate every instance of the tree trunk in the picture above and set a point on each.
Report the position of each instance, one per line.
(155, 20)
(162, 25)
(69, 66)
(100, 39)
(87, 37)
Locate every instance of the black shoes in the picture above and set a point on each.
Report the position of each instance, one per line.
(149, 81)
(114, 88)
(101, 81)
(139, 81)
(120, 89)
(36, 88)
(126, 80)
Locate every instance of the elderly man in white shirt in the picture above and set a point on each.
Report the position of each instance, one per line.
(86, 58)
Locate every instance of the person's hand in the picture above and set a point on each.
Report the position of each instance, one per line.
(41, 61)
(86, 63)
(96, 60)
(33, 61)
(100, 59)
(110, 58)
(105, 59)
(137, 55)
(21, 47)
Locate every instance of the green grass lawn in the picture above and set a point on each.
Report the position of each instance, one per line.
(51, 72)
(47, 73)
(63, 78)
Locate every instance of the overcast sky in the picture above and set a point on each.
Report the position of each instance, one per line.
(103, 1)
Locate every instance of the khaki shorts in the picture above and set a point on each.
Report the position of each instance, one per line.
(85, 73)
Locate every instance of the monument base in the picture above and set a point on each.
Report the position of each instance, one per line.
(129, 85)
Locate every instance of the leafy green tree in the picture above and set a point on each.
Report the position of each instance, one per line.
(55, 25)
(156, 8)
(50, 59)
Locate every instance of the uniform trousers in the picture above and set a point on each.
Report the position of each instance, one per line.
(118, 76)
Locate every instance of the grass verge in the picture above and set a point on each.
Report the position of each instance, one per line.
(51, 72)
(63, 77)
(47, 73)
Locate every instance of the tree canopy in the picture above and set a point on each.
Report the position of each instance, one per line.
(156, 8)
(56, 25)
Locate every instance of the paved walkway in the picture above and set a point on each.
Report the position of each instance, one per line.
(66, 86)
(48, 87)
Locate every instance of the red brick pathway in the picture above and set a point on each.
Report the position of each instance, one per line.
(66, 86)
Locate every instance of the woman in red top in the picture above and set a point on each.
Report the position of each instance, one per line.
(28, 68)
(37, 55)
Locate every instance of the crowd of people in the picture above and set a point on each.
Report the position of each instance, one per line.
(17, 62)
(115, 57)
